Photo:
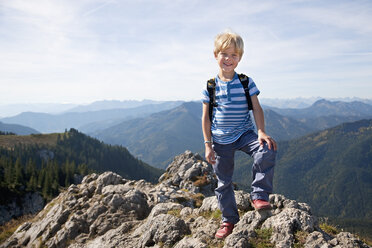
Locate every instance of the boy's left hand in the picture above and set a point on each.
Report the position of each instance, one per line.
(263, 137)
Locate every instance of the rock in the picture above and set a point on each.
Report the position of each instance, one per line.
(204, 229)
(185, 212)
(209, 204)
(285, 223)
(316, 240)
(164, 229)
(189, 242)
(109, 211)
(190, 172)
(245, 228)
(347, 240)
(164, 208)
(242, 202)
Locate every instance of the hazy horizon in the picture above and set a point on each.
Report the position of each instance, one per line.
(8, 110)
(184, 100)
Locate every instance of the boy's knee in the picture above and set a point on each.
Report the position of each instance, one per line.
(224, 185)
(269, 153)
(265, 156)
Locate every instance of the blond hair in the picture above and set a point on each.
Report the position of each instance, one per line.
(227, 39)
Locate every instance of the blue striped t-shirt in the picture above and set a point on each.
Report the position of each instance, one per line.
(231, 117)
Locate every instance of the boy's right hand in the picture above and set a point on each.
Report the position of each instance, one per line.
(209, 154)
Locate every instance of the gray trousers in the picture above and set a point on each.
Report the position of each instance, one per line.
(262, 172)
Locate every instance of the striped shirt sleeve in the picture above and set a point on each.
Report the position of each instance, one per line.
(205, 95)
(253, 90)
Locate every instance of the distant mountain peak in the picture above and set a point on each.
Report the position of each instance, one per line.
(17, 129)
(321, 101)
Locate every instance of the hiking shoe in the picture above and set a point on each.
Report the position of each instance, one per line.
(225, 230)
(261, 204)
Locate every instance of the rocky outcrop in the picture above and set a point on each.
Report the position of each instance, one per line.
(190, 172)
(109, 211)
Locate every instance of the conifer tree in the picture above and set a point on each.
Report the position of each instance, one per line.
(18, 174)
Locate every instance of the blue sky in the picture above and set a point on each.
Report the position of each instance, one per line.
(80, 51)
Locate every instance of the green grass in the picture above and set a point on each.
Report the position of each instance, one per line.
(262, 240)
(175, 212)
(215, 215)
(300, 239)
(10, 227)
(10, 141)
(329, 229)
(198, 199)
(361, 227)
(333, 230)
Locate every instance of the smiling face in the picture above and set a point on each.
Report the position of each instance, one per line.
(227, 59)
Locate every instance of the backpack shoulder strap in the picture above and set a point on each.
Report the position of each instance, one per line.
(244, 80)
(211, 87)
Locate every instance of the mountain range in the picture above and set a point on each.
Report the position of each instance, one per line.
(8, 110)
(157, 138)
(327, 108)
(113, 104)
(85, 121)
(157, 132)
(17, 129)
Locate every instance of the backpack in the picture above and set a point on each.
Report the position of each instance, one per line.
(211, 87)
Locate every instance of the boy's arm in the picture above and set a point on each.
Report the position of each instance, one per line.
(206, 126)
(260, 124)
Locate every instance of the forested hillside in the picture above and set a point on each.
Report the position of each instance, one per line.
(158, 138)
(45, 163)
(331, 169)
(85, 121)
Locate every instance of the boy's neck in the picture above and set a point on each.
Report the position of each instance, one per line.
(226, 76)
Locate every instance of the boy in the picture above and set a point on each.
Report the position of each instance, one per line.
(232, 129)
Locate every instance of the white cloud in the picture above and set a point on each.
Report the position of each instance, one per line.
(351, 16)
(91, 50)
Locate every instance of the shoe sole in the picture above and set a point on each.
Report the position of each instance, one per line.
(262, 208)
(221, 238)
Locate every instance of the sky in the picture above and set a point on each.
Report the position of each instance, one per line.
(81, 51)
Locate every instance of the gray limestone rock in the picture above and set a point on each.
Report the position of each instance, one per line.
(209, 204)
(286, 223)
(164, 229)
(316, 240)
(242, 202)
(347, 240)
(109, 211)
(191, 172)
(189, 242)
(245, 228)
